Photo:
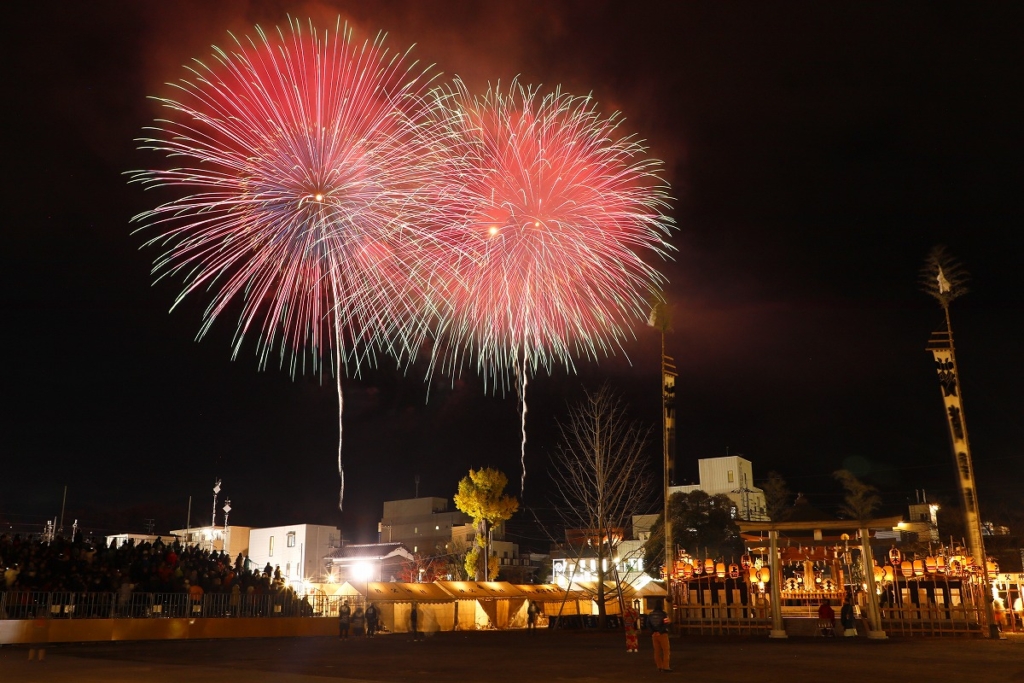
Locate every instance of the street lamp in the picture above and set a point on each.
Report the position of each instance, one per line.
(216, 490)
(226, 509)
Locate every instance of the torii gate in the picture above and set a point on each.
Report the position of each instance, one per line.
(862, 527)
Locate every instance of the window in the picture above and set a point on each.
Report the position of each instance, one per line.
(271, 553)
(731, 477)
(291, 539)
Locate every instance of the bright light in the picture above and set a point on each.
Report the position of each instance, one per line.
(362, 571)
(493, 230)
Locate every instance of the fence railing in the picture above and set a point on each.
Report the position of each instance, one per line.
(66, 605)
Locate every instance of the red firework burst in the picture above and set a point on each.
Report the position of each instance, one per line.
(552, 213)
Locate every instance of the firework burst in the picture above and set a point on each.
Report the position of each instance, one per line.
(305, 177)
(553, 211)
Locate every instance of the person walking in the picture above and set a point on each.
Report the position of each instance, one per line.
(629, 619)
(371, 620)
(658, 622)
(413, 621)
(531, 617)
(344, 620)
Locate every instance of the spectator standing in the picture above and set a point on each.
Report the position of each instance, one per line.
(344, 620)
(531, 616)
(371, 620)
(658, 622)
(413, 623)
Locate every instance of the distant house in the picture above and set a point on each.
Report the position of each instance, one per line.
(297, 549)
(576, 560)
(361, 563)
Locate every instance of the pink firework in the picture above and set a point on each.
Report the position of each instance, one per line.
(304, 177)
(553, 213)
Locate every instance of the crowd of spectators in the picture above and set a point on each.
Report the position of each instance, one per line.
(81, 566)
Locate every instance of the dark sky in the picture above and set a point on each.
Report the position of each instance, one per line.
(816, 152)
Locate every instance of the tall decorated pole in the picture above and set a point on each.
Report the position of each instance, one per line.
(660, 319)
(945, 279)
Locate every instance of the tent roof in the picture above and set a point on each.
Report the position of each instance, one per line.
(550, 592)
(347, 589)
(405, 592)
(475, 590)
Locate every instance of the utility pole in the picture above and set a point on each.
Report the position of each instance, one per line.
(944, 279)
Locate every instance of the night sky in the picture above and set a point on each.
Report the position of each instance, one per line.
(816, 152)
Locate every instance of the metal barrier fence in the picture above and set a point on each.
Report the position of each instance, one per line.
(37, 605)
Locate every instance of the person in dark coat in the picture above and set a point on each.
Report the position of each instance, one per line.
(846, 617)
(344, 620)
(658, 621)
(413, 621)
(371, 620)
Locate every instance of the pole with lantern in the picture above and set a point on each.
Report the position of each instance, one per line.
(660, 320)
(945, 280)
(216, 490)
(227, 510)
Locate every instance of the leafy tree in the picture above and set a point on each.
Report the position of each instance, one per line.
(776, 497)
(600, 473)
(481, 496)
(701, 524)
(861, 501)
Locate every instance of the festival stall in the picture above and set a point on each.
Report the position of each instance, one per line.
(395, 601)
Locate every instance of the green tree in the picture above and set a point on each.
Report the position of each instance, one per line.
(702, 524)
(481, 496)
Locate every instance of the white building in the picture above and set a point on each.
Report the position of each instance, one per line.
(298, 549)
(732, 475)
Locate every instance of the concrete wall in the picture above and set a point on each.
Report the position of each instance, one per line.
(93, 630)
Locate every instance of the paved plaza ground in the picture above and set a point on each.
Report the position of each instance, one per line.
(500, 657)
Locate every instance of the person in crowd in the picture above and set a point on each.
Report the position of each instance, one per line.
(371, 620)
(414, 622)
(344, 620)
(846, 617)
(358, 621)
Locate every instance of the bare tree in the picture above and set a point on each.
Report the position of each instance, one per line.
(861, 501)
(600, 475)
(776, 497)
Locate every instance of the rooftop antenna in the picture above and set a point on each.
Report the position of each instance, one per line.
(417, 480)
